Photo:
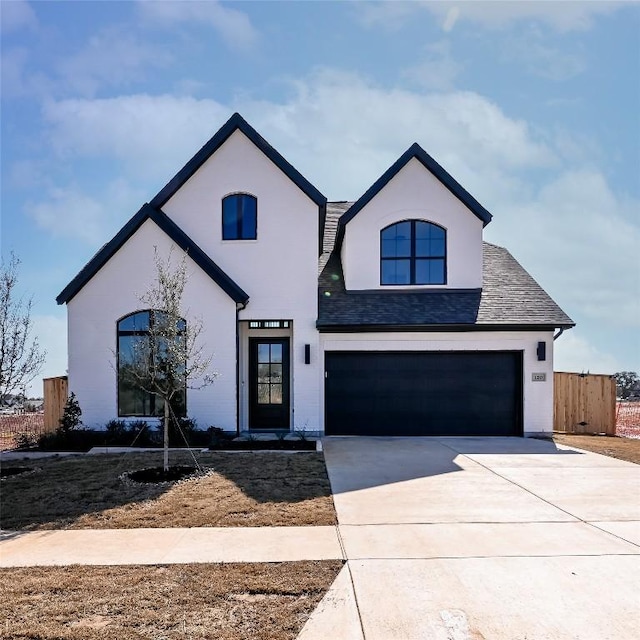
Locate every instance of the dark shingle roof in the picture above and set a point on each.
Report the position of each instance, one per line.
(509, 298)
(148, 212)
(335, 210)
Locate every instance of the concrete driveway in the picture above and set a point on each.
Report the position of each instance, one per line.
(470, 538)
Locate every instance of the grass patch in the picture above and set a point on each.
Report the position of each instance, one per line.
(622, 448)
(238, 489)
(225, 601)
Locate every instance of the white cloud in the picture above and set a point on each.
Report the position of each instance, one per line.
(344, 132)
(150, 135)
(15, 15)
(113, 57)
(92, 219)
(322, 129)
(580, 243)
(574, 353)
(232, 25)
(561, 16)
(451, 18)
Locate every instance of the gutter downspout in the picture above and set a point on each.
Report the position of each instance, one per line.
(239, 307)
(557, 335)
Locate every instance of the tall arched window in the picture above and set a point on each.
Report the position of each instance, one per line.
(413, 252)
(135, 333)
(239, 217)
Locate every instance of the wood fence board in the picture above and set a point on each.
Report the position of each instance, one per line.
(584, 403)
(55, 398)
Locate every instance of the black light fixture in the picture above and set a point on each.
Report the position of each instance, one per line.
(307, 354)
(542, 351)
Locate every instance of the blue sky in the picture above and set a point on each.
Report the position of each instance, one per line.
(533, 107)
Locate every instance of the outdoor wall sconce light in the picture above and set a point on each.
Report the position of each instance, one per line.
(542, 351)
(307, 354)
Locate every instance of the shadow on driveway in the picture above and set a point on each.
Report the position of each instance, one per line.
(360, 462)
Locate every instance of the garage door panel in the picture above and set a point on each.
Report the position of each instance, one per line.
(423, 393)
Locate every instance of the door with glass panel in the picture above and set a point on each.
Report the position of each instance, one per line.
(269, 383)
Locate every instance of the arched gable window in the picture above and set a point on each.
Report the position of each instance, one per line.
(239, 217)
(134, 345)
(413, 252)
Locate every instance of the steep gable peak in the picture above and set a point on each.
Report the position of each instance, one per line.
(236, 123)
(445, 178)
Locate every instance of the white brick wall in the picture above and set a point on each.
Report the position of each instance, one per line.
(413, 193)
(114, 292)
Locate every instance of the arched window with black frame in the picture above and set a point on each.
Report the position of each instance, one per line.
(239, 217)
(413, 252)
(135, 333)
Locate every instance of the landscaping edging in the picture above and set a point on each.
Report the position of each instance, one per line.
(34, 455)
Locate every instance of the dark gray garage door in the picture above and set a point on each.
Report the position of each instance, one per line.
(423, 393)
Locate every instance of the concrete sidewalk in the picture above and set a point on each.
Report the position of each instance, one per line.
(168, 546)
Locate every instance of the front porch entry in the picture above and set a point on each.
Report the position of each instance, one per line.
(265, 375)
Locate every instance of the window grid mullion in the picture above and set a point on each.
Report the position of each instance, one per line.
(412, 259)
(239, 217)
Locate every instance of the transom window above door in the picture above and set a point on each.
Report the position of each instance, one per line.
(413, 252)
(239, 217)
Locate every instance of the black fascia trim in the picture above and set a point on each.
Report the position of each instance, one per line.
(414, 151)
(411, 289)
(175, 233)
(103, 255)
(198, 256)
(322, 219)
(431, 328)
(236, 122)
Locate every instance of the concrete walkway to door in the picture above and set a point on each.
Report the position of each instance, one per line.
(470, 538)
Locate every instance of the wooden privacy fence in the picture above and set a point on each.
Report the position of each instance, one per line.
(55, 398)
(584, 403)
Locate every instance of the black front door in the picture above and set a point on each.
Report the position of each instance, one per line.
(269, 383)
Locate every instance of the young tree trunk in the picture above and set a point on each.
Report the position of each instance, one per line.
(166, 435)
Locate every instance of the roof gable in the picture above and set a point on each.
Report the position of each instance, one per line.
(417, 152)
(236, 123)
(148, 212)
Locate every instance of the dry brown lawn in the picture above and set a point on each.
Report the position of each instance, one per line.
(228, 601)
(238, 489)
(622, 448)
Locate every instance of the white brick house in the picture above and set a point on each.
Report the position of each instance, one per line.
(384, 316)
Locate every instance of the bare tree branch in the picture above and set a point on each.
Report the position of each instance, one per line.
(170, 357)
(20, 356)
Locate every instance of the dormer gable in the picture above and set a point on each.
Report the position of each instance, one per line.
(415, 227)
(447, 180)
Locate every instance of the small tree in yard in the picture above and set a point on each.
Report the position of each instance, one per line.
(20, 356)
(170, 358)
(71, 416)
(626, 382)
